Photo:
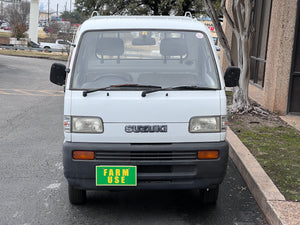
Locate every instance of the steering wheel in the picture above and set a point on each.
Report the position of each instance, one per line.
(108, 79)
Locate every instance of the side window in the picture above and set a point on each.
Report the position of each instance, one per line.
(62, 42)
(262, 15)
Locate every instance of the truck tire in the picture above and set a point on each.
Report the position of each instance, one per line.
(47, 49)
(76, 196)
(209, 195)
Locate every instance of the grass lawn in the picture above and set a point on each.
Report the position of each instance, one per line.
(33, 53)
(275, 145)
(5, 34)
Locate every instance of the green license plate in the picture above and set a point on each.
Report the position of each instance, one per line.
(116, 176)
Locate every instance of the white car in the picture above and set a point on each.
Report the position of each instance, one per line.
(59, 44)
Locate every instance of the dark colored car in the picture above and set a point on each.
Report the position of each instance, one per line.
(47, 30)
(33, 44)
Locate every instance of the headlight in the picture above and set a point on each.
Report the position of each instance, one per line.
(205, 124)
(87, 125)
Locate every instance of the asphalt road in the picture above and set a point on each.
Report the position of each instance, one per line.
(32, 186)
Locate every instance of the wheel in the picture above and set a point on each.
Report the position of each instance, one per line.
(76, 196)
(47, 49)
(209, 195)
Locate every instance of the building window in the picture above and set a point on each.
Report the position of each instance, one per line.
(262, 15)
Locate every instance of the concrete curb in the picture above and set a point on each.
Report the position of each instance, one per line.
(259, 183)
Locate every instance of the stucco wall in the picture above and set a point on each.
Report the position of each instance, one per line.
(274, 94)
(228, 33)
(279, 55)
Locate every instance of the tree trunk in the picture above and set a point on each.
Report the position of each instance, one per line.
(240, 94)
(241, 23)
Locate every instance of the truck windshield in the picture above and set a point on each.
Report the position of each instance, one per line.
(161, 58)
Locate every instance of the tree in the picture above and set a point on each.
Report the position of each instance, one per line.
(138, 7)
(17, 15)
(241, 22)
(73, 17)
(53, 30)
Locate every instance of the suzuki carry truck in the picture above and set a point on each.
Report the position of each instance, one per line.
(145, 107)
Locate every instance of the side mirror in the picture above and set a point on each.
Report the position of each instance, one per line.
(58, 74)
(232, 76)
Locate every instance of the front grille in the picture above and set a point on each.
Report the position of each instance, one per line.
(145, 155)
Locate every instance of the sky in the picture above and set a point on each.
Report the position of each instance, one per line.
(53, 5)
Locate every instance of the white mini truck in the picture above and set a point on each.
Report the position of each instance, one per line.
(145, 107)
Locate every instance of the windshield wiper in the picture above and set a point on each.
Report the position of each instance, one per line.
(144, 93)
(84, 93)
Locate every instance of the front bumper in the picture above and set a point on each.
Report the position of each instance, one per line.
(159, 166)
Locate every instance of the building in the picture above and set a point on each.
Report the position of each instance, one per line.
(44, 16)
(5, 3)
(275, 55)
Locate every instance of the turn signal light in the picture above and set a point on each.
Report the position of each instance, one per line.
(83, 155)
(209, 154)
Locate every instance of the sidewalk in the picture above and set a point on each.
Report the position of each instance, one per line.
(272, 203)
(293, 121)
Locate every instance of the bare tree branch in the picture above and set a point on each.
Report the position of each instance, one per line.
(16, 15)
(219, 30)
(248, 17)
(238, 13)
(235, 19)
(226, 14)
(241, 22)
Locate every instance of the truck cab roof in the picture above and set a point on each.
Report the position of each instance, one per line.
(142, 22)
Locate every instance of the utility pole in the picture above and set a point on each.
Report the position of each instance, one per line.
(70, 6)
(34, 18)
(48, 12)
(1, 9)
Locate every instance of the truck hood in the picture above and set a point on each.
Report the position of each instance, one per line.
(120, 109)
(158, 107)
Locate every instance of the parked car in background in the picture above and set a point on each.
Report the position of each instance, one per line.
(59, 44)
(47, 30)
(5, 26)
(33, 44)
